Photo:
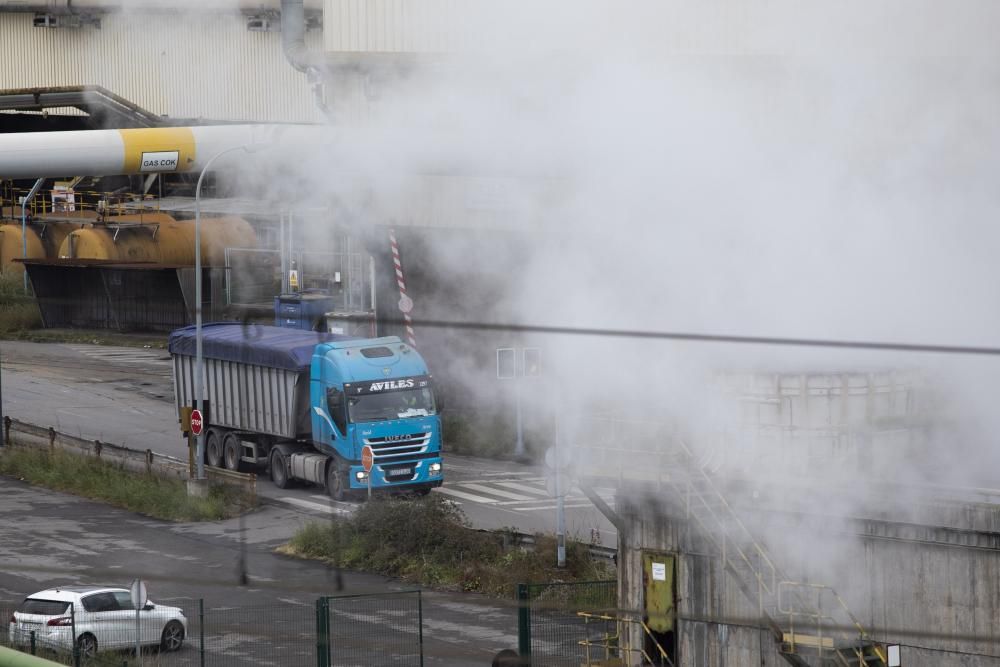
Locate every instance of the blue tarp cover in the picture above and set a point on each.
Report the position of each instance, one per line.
(275, 347)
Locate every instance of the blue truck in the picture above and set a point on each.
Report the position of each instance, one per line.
(305, 405)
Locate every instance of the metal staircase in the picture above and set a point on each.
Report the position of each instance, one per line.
(811, 623)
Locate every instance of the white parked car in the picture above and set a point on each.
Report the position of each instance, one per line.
(103, 618)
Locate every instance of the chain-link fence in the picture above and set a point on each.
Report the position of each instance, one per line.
(255, 276)
(378, 629)
(277, 634)
(362, 630)
(550, 628)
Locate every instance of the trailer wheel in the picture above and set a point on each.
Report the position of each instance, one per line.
(231, 451)
(279, 470)
(336, 481)
(213, 448)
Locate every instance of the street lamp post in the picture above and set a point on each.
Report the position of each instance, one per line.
(199, 369)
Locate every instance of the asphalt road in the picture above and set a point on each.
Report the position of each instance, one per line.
(124, 395)
(51, 539)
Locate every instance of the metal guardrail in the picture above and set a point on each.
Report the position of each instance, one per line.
(146, 461)
(596, 550)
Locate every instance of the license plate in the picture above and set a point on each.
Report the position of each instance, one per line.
(400, 471)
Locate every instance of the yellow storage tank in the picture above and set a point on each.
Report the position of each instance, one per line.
(11, 247)
(88, 243)
(217, 234)
(159, 239)
(99, 242)
(54, 234)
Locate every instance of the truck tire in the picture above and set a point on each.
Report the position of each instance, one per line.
(336, 481)
(279, 470)
(232, 451)
(213, 448)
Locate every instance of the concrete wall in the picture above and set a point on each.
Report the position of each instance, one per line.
(929, 588)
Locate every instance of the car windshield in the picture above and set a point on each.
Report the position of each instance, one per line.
(43, 607)
(392, 405)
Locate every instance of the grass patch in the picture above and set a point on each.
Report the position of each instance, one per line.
(429, 542)
(18, 311)
(87, 336)
(110, 482)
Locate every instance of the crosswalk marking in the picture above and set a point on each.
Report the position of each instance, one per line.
(316, 507)
(508, 474)
(480, 492)
(496, 492)
(523, 487)
(448, 491)
(549, 507)
(535, 501)
(493, 481)
(333, 503)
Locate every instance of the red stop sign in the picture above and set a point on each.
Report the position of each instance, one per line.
(196, 422)
(367, 458)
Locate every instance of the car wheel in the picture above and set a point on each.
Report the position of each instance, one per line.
(86, 645)
(173, 636)
(231, 451)
(279, 470)
(336, 481)
(213, 448)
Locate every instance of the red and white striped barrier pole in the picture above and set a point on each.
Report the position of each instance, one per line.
(405, 302)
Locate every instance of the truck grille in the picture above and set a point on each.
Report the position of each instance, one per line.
(395, 447)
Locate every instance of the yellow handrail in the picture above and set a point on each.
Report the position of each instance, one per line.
(626, 646)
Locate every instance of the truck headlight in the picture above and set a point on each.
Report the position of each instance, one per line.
(361, 475)
(435, 468)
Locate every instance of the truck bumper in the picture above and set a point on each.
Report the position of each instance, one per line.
(407, 475)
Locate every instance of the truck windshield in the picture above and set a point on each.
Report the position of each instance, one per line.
(392, 405)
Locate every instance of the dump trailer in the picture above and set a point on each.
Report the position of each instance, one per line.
(305, 405)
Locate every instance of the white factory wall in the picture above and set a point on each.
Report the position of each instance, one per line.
(709, 27)
(203, 65)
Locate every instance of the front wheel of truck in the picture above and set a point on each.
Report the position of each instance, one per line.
(336, 481)
(279, 470)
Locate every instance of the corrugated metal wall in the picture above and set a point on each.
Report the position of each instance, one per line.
(666, 27)
(205, 65)
(247, 396)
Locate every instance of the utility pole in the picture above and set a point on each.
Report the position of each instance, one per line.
(560, 505)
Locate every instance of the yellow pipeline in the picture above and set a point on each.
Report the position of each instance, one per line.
(26, 155)
(158, 149)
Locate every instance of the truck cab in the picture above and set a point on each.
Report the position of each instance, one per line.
(375, 393)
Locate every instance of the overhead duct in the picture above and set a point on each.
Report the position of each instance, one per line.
(293, 42)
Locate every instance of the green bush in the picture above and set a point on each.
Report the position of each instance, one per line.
(429, 541)
(110, 482)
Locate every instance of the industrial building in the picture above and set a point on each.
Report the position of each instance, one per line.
(779, 538)
(800, 532)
